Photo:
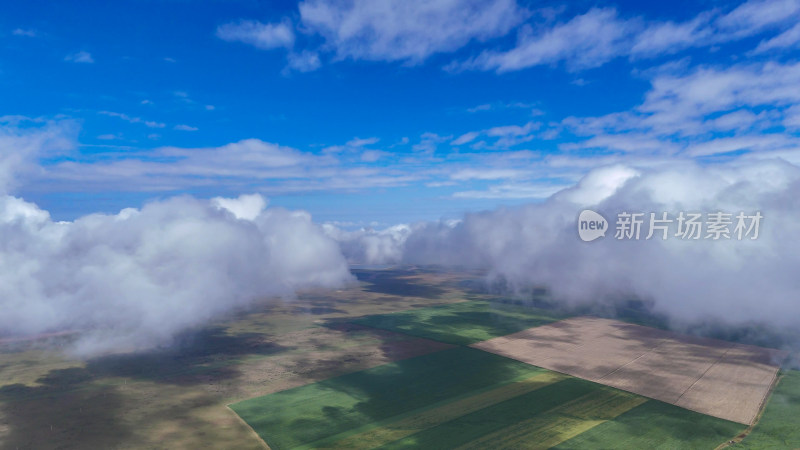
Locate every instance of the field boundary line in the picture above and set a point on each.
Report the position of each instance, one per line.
(252, 431)
(649, 351)
(721, 357)
(741, 436)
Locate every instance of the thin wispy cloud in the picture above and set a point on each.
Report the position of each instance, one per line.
(80, 57)
(27, 32)
(264, 36)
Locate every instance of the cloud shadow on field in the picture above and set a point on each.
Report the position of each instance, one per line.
(65, 404)
(397, 282)
(358, 398)
(192, 359)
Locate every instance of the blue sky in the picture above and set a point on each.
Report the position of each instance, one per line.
(383, 111)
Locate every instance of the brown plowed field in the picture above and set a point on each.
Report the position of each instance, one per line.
(713, 377)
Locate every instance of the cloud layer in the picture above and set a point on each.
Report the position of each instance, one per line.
(725, 282)
(135, 279)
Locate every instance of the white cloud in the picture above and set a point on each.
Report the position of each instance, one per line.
(246, 207)
(25, 32)
(23, 141)
(513, 190)
(736, 120)
(361, 142)
(585, 41)
(755, 15)
(465, 138)
(260, 35)
(175, 168)
(305, 61)
(792, 117)
(406, 30)
(80, 57)
(429, 142)
(788, 39)
(501, 137)
(674, 99)
(373, 155)
(684, 112)
(183, 127)
(487, 174)
(752, 143)
(275, 168)
(370, 246)
(136, 279)
(484, 107)
(596, 37)
(671, 37)
(355, 145)
(127, 118)
(726, 282)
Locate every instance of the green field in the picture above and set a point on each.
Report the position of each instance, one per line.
(657, 425)
(465, 397)
(779, 426)
(305, 414)
(462, 323)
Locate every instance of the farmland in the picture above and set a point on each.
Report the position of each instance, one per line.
(176, 397)
(384, 363)
(463, 397)
(719, 378)
(462, 323)
(778, 427)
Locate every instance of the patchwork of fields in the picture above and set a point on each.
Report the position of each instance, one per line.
(462, 323)
(465, 398)
(714, 377)
(459, 397)
(301, 373)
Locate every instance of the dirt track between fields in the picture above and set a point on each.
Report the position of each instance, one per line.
(713, 377)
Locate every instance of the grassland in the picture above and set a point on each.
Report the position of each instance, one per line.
(462, 323)
(779, 426)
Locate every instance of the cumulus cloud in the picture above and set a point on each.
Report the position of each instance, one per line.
(405, 30)
(370, 246)
(727, 282)
(136, 279)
